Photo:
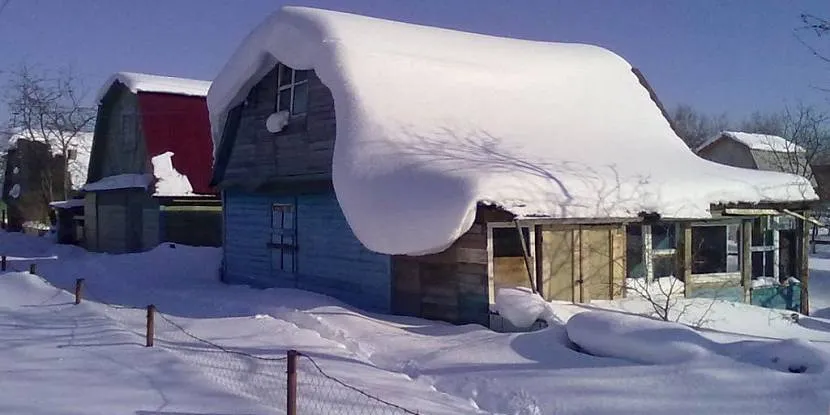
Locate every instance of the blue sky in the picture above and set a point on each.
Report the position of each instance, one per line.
(733, 56)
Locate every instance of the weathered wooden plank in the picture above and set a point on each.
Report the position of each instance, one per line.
(802, 258)
(746, 258)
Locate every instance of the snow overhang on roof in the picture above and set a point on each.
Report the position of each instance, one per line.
(120, 181)
(763, 142)
(139, 82)
(431, 122)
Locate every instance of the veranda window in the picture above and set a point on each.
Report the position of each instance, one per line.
(716, 248)
(651, 251)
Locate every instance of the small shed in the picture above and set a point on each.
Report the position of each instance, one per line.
(415, 170)
(69, 221)
(150, 167)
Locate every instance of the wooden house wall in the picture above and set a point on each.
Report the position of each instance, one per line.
(729, 152)
(582, 262)
(119, 145)
(114, 220)
(195, 225)
(450, 286)
(303, 149)
(329, 258)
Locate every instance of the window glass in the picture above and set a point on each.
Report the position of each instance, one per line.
(300, 99)
(762, 264)
(506, 242)
(634, 252)
(284, 99)
(300, 76)
(664, 266)
(761, 232)
(709, 249)
(733, 248)
(285, 75)
(663, 236)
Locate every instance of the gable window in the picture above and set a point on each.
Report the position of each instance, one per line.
(292, 91)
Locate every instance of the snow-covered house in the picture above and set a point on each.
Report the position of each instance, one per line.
(395, 166)
(150, 167)
(34, 172)
(757, 151)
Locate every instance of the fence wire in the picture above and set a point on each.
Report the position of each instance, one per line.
(262, 378)
(320, 393)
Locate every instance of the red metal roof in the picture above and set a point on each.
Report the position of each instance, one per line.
(179, 124)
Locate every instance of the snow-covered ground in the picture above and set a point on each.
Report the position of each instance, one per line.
(65, 359)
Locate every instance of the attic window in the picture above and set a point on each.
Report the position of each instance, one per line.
(292, 91)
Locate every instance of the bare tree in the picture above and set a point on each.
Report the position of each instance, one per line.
(694, 127)
(817, 27)
(47, 107)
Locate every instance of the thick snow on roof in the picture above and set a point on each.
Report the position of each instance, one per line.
(139, 82)
(67, 204)
(431, 122)
(764, 142)
(120, 181)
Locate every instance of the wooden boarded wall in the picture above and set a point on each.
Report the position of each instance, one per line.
(450, 286)
(304, 148)
(189, 225)
(329, 258)
(583, 262)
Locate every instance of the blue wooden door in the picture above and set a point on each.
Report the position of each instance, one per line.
(283, 240)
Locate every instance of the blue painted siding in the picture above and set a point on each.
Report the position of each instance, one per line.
(330, 259)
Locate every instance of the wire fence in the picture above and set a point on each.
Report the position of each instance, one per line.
(282, 379)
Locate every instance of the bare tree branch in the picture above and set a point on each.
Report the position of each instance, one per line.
(47, 107)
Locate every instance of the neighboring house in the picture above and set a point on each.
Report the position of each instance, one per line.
(150, 167)
(757, 151)
(34, 173)
(392, 166)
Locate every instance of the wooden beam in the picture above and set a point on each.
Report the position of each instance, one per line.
(746, 258)
(526, 254)
(540, 259)
(750, 212)
(803, 261)
(684, 257)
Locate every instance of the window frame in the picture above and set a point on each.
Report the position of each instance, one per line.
(292, 87)
(649, 253)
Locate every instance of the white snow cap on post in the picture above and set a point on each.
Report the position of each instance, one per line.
(431, 122)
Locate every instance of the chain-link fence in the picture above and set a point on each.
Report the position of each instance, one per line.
(284, 379)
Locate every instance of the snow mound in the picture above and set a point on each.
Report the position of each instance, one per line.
(520, 306)
(636, 338)
(451, 149)
(789, 356)
(140, 82)
(169, 182)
